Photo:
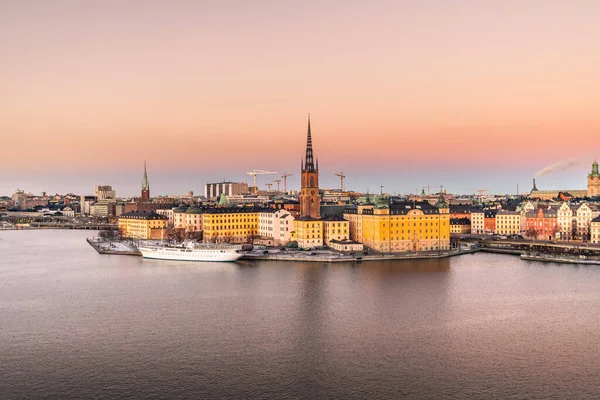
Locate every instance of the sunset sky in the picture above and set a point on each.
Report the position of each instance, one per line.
(466, 94)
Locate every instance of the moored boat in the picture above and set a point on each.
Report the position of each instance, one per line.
(192, 252)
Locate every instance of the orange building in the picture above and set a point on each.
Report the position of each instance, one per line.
(489, 221)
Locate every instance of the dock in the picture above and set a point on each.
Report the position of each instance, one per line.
(120, 247)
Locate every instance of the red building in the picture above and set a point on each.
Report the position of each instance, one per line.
(489, 221)
(541, 224)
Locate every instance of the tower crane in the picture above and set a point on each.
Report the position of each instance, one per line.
(255, 172)
(342, 176)
(284, 176)
(277, 181)
(269, 186)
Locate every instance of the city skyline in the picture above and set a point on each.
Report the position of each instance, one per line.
(402, 94)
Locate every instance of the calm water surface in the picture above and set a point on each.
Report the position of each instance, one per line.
(76, 324)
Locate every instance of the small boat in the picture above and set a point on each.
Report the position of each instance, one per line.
(559, 258)
(192, 252)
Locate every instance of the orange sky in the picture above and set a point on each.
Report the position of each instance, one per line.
(223, 87)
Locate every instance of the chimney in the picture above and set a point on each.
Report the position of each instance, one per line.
(534, 187)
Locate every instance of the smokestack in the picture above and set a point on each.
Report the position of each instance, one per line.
(534, 187)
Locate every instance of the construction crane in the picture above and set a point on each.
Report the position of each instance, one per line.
(277, 181)
(284, 176)
(342, 176)
(255, 172)
(269, 186)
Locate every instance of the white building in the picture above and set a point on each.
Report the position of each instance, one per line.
(213, 191)
(276, 224)
(477, 222)
(595, 230)
(68, 212)
(583, 215)
(104, 192)
(564, 221)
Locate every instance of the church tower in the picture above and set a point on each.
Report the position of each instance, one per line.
(594, 181)
(145, 186)
(310, 201)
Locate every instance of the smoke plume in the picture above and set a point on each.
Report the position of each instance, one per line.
(559, 166)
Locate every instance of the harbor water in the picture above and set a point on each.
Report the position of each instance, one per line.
(75, 324)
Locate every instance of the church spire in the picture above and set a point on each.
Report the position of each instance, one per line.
(309, 164)
(145, 185)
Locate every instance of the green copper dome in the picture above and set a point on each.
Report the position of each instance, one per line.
(595, 169)
(193, 210)
(441, 203)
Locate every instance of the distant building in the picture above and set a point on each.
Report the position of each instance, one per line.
(105, 192)
(85, 202)
(102, 208)
(213, 191)
(594, 181)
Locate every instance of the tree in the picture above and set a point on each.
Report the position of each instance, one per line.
(531, 233)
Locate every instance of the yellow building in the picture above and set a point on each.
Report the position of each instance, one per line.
(230, 225)
(335, 230)
(308, 232)
(142, 225)
(508, 222)
(401, 227)
(460, 225)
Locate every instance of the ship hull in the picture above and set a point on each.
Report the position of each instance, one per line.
(186, 254)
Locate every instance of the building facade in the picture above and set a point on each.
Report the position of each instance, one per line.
(541, 224)
(564, 221)
(478, 222)
(230, 225)
(276, 224)
(460, 225)
(335, 229)
(489, 222)
(403, 226)
(595, 231)
(583, 219)
(508, 222)
(142, 225)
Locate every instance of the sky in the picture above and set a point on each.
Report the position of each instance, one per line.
(470, 94)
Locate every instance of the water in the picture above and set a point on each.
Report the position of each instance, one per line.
(76, 324)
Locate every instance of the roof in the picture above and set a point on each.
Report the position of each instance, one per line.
(460, 221)
(142, 215)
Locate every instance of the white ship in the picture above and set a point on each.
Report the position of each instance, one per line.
(192, 252)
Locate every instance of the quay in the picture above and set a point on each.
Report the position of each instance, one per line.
(329, 256)
(113, 247)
